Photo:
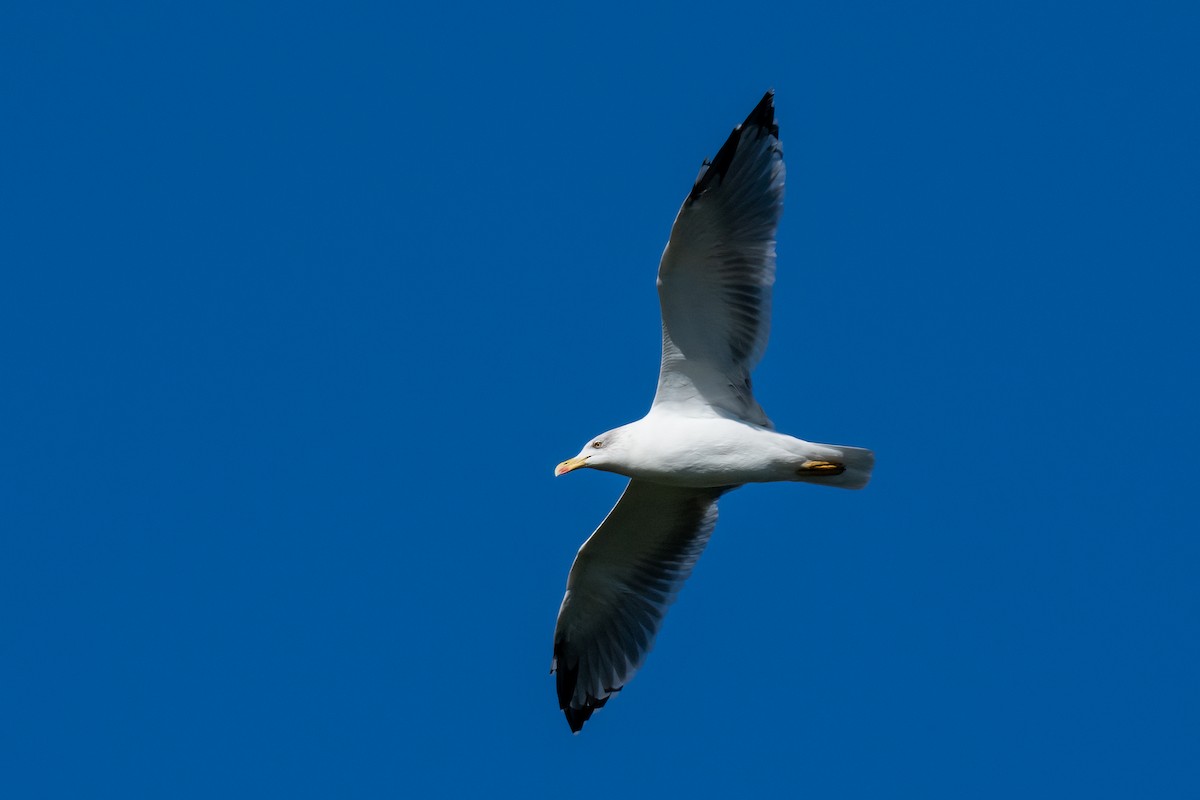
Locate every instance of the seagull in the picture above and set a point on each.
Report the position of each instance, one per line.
(704, 434)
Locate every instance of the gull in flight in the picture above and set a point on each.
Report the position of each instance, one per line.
(704, 434)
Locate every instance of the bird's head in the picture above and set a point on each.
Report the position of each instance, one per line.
(601, 452)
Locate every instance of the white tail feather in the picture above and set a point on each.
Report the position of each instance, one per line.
(858, 462)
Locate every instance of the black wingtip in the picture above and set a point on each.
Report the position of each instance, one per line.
(576, 717)
(566, 677)
(763, 116)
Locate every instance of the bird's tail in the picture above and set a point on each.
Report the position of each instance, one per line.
(837, 465)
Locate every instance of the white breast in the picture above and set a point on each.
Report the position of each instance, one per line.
(709, 451)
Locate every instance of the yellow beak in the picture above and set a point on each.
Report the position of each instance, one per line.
(570, 464)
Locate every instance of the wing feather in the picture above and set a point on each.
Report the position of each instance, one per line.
(716, 274)
(620, 586)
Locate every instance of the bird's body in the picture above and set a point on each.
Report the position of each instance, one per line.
(715, 451)
(705, 433)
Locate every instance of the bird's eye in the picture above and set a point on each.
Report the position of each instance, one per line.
(597, 444)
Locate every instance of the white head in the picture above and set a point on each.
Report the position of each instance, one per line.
(601, 452)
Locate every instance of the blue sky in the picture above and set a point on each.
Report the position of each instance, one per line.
(304, 303)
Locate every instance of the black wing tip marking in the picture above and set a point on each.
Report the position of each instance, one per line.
(566, 679)
(577, 716)
(763, 116)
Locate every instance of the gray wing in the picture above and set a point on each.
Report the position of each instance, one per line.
(625, 576)
(715, 277)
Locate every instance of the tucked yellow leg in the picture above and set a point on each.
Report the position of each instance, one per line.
(820, 468)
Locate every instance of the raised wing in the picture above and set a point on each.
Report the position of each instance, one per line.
(623, 579)
(715, 277)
